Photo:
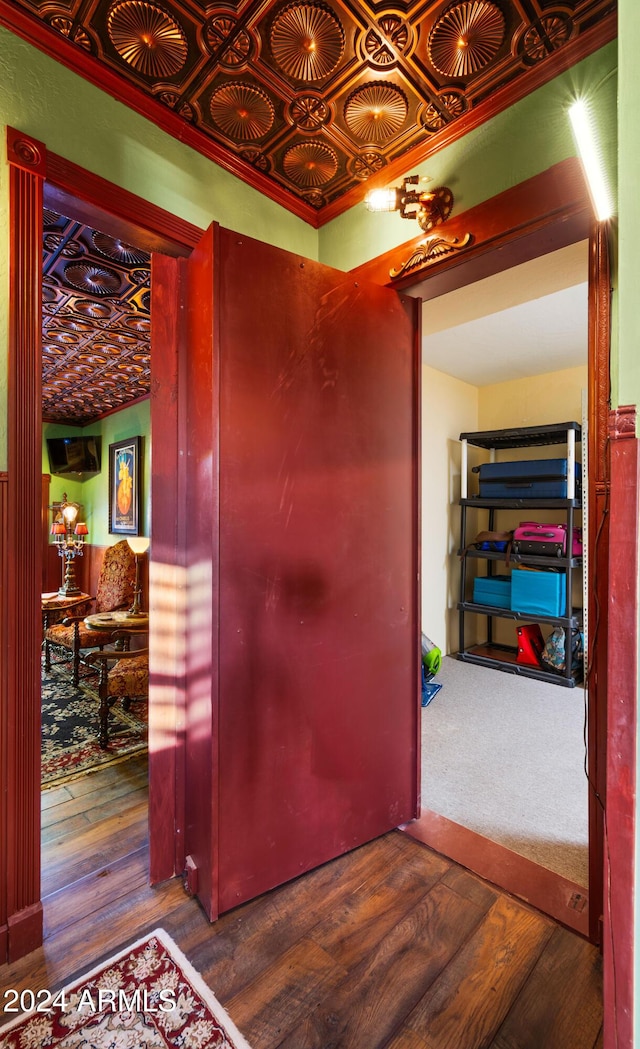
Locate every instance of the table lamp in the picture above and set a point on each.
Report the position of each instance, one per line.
(139, 544)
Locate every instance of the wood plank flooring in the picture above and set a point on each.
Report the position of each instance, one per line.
(390, 947)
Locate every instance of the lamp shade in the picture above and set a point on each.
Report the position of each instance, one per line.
(81, 528)
(138, 543)
(58, 528)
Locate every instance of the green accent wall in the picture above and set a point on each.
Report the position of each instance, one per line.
(93, 493)
(521, 142)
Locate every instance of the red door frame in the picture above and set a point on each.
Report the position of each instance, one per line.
(34, 173)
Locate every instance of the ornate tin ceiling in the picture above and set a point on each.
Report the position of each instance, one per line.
(95, 322)
(307, 100)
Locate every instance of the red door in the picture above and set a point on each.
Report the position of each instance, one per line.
(301, 395)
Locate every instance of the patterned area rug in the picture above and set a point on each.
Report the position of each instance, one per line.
(147, 997)
(70, 729)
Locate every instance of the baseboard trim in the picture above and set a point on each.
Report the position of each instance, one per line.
(24, 931)
(562, 900)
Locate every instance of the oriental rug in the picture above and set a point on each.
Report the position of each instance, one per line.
(148, 996)
(70, 729)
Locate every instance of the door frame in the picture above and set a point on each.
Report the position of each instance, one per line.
(542, 214)
(38, 177)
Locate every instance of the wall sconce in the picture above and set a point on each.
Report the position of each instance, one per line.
(69, 538)
(429, 207)
(139, 544)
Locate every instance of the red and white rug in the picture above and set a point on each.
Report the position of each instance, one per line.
(148, 996)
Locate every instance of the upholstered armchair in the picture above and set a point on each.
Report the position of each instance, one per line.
(114, 591)
(124, 675)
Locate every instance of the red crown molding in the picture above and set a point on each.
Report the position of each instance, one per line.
(85, 65)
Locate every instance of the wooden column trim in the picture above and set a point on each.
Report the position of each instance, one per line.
(4, 575)
(21, 775)
(167, 593)
(598, 559)
(618, 940)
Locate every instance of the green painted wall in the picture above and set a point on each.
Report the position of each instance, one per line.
(528, 138)
(78, 121)
(93, 493)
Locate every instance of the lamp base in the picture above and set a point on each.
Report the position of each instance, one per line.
(69, 591)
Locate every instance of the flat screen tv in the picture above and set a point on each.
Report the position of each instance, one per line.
(79, 456)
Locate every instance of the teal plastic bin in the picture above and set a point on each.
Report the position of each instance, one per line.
(538, 593)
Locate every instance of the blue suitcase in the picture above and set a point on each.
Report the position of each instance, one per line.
(526, 479)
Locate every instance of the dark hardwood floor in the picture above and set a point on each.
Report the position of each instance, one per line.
(389, 946)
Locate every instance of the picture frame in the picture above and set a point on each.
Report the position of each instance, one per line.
(125, 486)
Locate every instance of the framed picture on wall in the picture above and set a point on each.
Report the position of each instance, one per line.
(125, 485)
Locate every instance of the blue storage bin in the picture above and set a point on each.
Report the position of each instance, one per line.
(492, 590)
(538, 593)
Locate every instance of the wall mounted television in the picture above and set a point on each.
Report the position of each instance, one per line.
(79, 456)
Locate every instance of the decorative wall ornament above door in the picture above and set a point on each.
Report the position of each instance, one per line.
(307, 101)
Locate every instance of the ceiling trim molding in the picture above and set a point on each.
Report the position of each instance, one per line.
(87, 66)
(545, 212)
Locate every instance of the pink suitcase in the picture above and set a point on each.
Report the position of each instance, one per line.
(545, 540)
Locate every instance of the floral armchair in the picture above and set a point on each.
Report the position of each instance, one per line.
(123, 675)
(116, 584)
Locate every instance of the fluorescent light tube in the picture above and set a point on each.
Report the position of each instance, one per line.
(590, 157)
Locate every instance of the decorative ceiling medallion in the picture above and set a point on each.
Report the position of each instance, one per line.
(466, 38)
(310, 164)
(65, 25)
(309, 112)
(97, 279)
(450, 106)
(376, 112)
(141, 324)
(76, 325)
(547, 34)
(395, 36)
(366, 164)
(147, 38)
(242, 111)
(64, 338)
(49, 217)
(117, 249)
(49, 294)
(257, 158)
(71, 249)
(231, 46)
(97, 310)
(307, 41)
(315, 198)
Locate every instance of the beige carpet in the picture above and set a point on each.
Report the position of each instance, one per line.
(504, 756)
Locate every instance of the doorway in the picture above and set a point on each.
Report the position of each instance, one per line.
(546, 215)
(501, 749)
(95, 365)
